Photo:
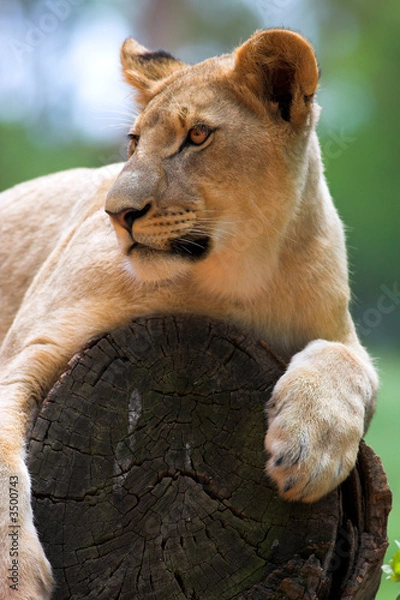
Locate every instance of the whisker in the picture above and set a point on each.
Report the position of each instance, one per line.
(187, 241)
(200, 220)
(115, 126)
(127, 113)
(125, 123)
(263, 218)
(182, 239)
(217, 234)
(209, 230)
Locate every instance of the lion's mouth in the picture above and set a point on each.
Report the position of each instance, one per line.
(186, 247)
(192, 249)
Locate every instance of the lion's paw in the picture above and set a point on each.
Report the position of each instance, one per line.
(313, 438)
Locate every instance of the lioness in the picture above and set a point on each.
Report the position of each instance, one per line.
(222, 210)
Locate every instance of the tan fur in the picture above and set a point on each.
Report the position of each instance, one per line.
(275, 262)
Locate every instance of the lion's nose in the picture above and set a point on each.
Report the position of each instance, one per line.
(126, 217)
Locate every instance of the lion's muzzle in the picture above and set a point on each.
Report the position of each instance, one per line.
(171, 230)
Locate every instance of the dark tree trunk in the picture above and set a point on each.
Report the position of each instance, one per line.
(148, 478)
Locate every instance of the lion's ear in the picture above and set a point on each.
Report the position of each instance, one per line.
(143, 69)
(280, 68)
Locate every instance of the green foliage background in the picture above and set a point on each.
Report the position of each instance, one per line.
(358, 45)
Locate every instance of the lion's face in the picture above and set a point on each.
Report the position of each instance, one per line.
(209, 177)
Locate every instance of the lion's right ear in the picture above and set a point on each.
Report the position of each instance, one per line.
(144, 69)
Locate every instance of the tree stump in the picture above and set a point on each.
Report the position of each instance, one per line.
(148, 475)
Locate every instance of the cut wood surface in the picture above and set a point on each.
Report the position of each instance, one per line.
(148, 475)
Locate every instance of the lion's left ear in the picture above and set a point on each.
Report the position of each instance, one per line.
(279, 67)
(143, 69)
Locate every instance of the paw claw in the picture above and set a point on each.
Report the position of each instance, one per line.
(278, 462)
(290, 484)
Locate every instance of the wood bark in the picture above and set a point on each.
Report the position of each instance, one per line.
(148, 475)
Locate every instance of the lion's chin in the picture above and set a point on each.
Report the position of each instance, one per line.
(187, 248)
(154, 266)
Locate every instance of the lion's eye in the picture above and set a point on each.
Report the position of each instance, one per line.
(133, 142)
(199, 134)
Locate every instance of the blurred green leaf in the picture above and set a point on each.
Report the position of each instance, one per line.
(392, 570)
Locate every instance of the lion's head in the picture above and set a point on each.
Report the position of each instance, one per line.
(217, 157)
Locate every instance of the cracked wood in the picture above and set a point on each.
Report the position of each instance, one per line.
(148, 478)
